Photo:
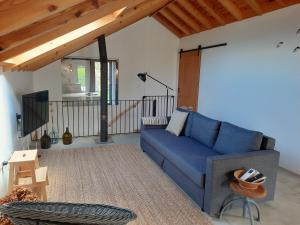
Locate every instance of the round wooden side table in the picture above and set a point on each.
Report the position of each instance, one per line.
(246, 196)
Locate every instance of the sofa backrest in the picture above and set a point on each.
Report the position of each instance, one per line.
(235, 139)
(201, 128)
(196, 123)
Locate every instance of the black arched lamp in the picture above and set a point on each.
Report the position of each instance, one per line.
(143, 77)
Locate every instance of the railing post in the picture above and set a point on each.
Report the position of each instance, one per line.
(173, 100)
(154, 108)
(103, 99)
(143, 109)
(167, 105)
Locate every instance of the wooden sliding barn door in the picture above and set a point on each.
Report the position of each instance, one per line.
(188, 81)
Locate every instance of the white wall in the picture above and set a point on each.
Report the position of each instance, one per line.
(49, 78)
(251, 82)
(145, 46)
(12, 85)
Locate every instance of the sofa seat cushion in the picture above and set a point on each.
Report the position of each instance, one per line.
(185, 153)
(234, 139)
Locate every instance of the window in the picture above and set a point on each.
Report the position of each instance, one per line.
(97, 76)
(112, 82)
(83, 75)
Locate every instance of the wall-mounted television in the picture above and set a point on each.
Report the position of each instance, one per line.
(35, 111)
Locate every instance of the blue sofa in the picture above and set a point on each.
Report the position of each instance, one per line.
(201, 160)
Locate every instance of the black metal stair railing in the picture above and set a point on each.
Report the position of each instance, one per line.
(82, 117)
(158, 105)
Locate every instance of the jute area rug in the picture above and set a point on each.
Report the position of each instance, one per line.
(123, 176)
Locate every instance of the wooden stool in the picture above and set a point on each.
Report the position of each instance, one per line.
(24, 170)
(246, 196)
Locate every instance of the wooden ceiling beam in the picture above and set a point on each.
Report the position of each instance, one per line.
(47, 24)
(168, 25)
(129, 17)
(211, 11)
(232, 8)
(255, 6)
(281, 3)
(174, 20)
(5, 66)
(195, 13)
(164, 6)
(73, 24)
(185, 17)
(16, 14)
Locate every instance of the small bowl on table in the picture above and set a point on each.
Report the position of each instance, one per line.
(244, 184)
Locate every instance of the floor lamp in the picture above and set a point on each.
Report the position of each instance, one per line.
(143, 77)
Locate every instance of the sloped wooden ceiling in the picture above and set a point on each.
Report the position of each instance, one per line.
(186, 17)
(34, 33)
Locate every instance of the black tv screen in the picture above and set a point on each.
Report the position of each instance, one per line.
(35, 111)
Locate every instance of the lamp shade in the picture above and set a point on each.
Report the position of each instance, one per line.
(142, 76)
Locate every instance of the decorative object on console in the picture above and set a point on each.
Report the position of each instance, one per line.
(45, 141)
(246, 184)
(54, 136)
(67, 137)
(143, 77)
(177, 122)
(18, 194)
(246, 192)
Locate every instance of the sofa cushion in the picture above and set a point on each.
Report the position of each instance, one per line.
(204, 129)
(187, 154)
(177, 122)
(234, 139)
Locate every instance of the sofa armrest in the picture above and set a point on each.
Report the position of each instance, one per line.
(219, 171)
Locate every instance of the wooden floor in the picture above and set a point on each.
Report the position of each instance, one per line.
(123, 176)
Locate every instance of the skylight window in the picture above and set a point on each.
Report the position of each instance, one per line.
(68, 37)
